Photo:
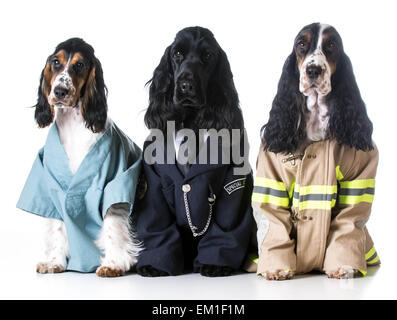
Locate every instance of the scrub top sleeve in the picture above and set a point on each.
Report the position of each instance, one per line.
(35, 197)
(122, 188)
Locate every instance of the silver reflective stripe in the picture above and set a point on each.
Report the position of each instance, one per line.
(272, 192)
(315, 197)
(372, 257)
(356, 192)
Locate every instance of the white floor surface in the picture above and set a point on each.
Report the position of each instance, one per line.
(19, 280)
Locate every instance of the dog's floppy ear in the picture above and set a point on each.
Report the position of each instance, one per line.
(161, 92)
(349, 123)
(223, 97)
(286, 125)
(44, 113)
(94, 100)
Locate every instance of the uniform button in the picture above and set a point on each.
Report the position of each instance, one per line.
(309, 156)
(313, 156)
(186, 188)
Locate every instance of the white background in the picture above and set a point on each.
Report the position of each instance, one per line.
(129, 39)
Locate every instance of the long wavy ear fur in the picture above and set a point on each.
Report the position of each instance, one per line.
(94, 101)
(44, 113)
(161, 108)
(349, 123)
(223, 109)
(286, 125)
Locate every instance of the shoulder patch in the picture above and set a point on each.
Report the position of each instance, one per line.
(234, 185)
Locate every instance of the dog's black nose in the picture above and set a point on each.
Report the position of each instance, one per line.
(187, 87)
(60, 92)
(313, 72)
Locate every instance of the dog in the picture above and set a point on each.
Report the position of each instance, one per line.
(195, 215)
(84, 179)
(316, 168)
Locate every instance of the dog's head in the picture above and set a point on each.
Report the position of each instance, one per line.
(72, 76)
(318, 48)
(193, 56)
(194, 76)
(317, 67)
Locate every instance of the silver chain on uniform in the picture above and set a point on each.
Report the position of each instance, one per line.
(211, 201)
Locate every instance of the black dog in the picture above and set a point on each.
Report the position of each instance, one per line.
(194, 215)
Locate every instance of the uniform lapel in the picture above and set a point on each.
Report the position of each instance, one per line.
(205, 157)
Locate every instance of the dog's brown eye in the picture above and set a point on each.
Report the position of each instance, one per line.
(55, 62)
(302, 44)
(80, 65)
(178, 55)
(331, 45)
(207, 56)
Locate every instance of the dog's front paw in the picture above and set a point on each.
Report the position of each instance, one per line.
(343, 272)
(109, 272)
(208, 270)
(149, 271)
(279, 275)
(49, 267)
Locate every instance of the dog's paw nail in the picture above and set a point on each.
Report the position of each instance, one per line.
(108, 272)
(149, 271)
(278, 275)
(215, 271)
(49, 268)
(344, 272)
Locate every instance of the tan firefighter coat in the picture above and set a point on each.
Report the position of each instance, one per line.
(311, 208)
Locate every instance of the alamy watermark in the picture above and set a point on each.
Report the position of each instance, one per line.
(210, 147)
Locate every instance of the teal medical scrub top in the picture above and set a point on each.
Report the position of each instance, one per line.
(107, 175)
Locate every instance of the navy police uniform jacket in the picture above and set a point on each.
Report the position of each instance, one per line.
(205, 190)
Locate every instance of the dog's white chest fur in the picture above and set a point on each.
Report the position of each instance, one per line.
(316, 117)
(76, 138)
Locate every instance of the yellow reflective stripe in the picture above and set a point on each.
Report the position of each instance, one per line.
(268, 191)
(339, 175)
(370, 253)
(369, 198)
(363, 272)
(292, 189)
(253, 257)
(269, 183)
(358, 184)
(314, 191)
(373, 260)
(317, 189)
(267, 198)
(312, 204)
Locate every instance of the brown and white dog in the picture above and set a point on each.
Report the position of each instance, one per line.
(73, 93)
(318, 75)
(317, 100)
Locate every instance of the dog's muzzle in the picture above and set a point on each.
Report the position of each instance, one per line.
(315, 75)
(188, 91)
